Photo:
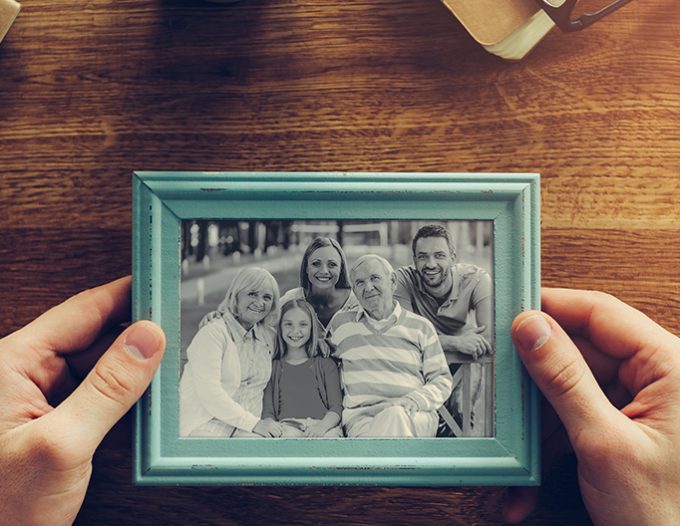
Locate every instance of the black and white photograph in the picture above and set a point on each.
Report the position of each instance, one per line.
(333, 329)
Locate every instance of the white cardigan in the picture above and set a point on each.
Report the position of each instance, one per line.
(213, 374)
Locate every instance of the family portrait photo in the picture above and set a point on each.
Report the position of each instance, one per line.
(334, 329)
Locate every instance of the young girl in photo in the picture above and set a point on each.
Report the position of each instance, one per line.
(303, 394)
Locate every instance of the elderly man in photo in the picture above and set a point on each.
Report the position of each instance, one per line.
(446, 293)
(393, 370)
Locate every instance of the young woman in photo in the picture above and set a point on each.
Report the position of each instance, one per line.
(324, 281)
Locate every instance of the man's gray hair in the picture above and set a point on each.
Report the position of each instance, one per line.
(387, 267)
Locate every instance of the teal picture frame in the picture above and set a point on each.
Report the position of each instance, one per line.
(162, 200)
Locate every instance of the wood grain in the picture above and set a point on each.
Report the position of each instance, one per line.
(92, 90)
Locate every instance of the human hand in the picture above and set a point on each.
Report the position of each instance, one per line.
(268, 428)
(409, 405)
(212, 315)
(316, 430)
(613, 379)
(49, 425)
(470, 342)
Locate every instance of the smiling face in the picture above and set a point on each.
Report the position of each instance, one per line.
(433, 261)
(296, 328)
(374, 288)
(253, 304)
(323, 268)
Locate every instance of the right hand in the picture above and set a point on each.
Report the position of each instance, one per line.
(51, 422)
(612, 376)
(472, 342)
(409, 405)
(212, 315)
(268, 428)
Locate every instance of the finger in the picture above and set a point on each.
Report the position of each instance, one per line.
(611, 325)
(519, 503)
(480, 329)
(80, 363)
(605, 368)
(76, 323)
(117, 380)
(486, 346)
(58, 380)
(618, 395)
(561, 373)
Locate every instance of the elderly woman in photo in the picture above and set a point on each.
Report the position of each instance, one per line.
(324, 281)
(230, 362)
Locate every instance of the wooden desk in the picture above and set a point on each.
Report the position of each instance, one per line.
(90, 91)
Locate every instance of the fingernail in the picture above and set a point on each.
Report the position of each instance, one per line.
(141, 341)
(532, 333)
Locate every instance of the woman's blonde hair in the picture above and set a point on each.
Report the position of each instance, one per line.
(313, 345)
(252, 278)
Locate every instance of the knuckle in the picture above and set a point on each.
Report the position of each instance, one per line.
(85, 298)
(565, 380)
(112, 381)
(599, 449)
(46, 448)
(604, 297)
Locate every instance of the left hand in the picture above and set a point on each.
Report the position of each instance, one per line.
(49, 425)
(470, 342)
(611, 376)
(316, 430)
(409, 405)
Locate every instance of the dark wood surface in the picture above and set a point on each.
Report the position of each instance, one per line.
(92, 90)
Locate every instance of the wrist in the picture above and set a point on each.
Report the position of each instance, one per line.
(449, 342)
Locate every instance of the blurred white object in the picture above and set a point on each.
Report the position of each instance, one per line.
(9, 9)
(507, 28)
(200, 291)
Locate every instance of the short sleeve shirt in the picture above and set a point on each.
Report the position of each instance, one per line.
(469, 288)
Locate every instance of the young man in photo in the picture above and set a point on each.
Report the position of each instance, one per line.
(457, 299)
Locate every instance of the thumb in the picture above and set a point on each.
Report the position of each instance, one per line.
(114, 384)
(561, 373)
(480, 329)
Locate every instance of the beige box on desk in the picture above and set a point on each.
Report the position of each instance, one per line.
(507, 28)
(9, 9)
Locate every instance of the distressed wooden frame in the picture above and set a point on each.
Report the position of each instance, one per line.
(161, 200)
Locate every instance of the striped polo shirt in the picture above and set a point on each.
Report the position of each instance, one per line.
(382, 362)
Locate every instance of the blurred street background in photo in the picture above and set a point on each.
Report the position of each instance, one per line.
(214, 251)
